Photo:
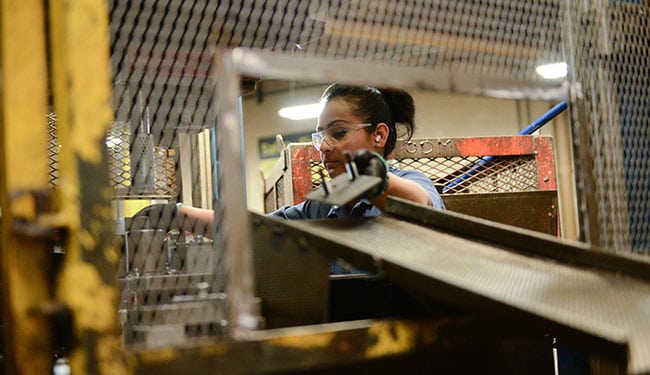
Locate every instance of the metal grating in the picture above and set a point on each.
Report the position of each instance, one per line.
(117, 143)
(495, 37)
(610, 76)
(475, 174)
(170, 276)
(162, 55)
(468, 174)
(317, 170)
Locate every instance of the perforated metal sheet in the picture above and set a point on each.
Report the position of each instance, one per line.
(600, 304)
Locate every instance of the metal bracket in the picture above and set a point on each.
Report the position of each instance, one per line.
(344, 188)
(35, 217)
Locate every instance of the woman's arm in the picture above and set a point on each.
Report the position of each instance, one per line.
(402, 188)
(410, 185)
(197, 220)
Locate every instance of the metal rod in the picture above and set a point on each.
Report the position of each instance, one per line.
(545, 118)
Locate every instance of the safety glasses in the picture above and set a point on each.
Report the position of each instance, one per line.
(334, 134)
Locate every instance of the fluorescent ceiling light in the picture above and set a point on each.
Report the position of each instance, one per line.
(552, 71)
(301, 112)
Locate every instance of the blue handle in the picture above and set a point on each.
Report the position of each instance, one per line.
(543, 119)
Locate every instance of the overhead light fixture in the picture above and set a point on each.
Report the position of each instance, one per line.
(552, 71)
(301, 112)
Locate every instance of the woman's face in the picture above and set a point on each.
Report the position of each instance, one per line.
(342, 131)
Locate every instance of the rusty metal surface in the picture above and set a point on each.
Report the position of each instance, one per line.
(546, 178)
(81, 92)
(301, 175)
(597, 305)
(534, 210)
(470, 146)
(381, 347)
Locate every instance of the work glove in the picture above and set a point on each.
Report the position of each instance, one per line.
(164, 216)
(372, 164)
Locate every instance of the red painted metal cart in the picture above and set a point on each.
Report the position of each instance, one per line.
(508, 179)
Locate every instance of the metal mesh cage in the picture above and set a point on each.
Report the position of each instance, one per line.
(469, 174)
(162, 143)
(608, 53)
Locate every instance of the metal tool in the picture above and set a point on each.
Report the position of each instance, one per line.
(344, 188)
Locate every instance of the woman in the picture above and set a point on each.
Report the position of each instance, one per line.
(353, 118)
(356, 118)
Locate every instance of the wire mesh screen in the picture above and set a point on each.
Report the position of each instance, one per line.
(476, 174)
(500, 38)
(162, 53)
(160, 149)
(466, 174)
(609, 53)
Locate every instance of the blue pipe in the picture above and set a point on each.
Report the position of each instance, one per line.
(530, 129)
(543, 119)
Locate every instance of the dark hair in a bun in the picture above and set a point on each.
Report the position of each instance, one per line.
(393, 107)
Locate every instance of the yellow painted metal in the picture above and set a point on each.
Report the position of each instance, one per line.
(27, 342)
(329, 346)
(24, 99)
(82, 91)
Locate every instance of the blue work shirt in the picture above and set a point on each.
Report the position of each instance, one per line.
(363, 208)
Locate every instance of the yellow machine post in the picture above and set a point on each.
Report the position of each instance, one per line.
(38, 303)
(81, 89)
(27, 340)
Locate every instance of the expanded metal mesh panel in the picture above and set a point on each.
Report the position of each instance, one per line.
(161, 160)
(117, 142)
(164, 90)
(318, 172)
(469, 174)
(494, 37)
(475, 174)
(160, 149)
(610, 56)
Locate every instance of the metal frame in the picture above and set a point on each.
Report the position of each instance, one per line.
(231, 215)
(267, 64)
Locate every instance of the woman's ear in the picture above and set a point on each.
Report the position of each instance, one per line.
(381, 134)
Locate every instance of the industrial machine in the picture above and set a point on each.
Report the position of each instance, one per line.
(465, 290)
